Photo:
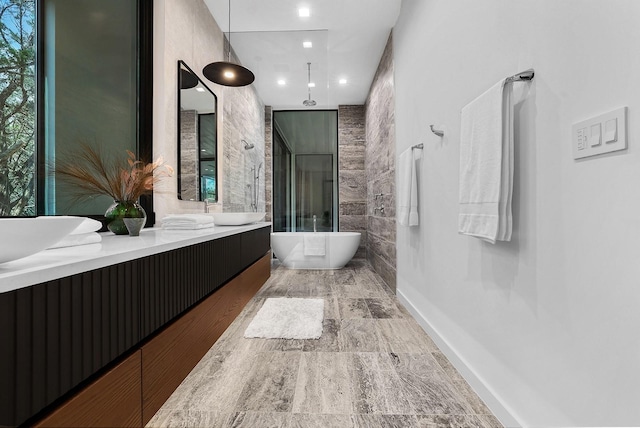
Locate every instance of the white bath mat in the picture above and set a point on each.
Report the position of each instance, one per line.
(288, 318)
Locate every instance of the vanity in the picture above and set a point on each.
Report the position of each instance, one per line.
(102, 334)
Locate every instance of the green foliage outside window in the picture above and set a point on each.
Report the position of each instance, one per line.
(17, 107)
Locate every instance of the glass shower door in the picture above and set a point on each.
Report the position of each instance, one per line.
(314, 192)
(305, 170)
(281, 185)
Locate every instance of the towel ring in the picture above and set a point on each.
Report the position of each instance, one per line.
(437, 131)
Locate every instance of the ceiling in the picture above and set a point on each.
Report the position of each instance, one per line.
(348, 39)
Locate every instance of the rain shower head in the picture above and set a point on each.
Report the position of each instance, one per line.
(309, 102)
(247, 146)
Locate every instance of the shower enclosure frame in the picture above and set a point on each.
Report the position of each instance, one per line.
(291, 225)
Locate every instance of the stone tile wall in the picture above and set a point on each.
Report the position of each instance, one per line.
(380, 170)
(185, 30)
(243, 119)
(268, 169)
(352, 189)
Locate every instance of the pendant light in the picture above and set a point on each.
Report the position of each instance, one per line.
(228, 73)
(309, 102)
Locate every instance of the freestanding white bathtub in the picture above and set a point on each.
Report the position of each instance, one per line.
(289, 248)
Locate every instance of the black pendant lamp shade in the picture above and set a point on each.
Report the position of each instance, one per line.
(228, 73)
(188, 80)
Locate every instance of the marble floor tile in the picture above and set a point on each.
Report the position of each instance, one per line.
(271, 382)
(188, 419)
(490, 421)
(385, 421)
(274, 288)
(259, 419)
(359, 335)
(328, 342)
(323, 384)
(358, 290)
(430, 393)
(300, 420)
(344, 277)
(375, 361)
(428, 387)
(374, 391)
(286, 345)
(219, 390)
(400, 336)
(331, 307)
(301, 289)
(310, 289)
(384, 308)
(369, 278)
(449, 421)
(353, 308)
(235, 331)
(417, 363)
(463, 387)
(373, 366)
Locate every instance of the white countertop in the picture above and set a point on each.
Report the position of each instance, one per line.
(48, 265)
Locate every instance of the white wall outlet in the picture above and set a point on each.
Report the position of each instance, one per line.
(600, 134)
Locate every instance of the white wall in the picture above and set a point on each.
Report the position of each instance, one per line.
(549, 323)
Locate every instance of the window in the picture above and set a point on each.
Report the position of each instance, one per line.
(18, 108)
(91, 81)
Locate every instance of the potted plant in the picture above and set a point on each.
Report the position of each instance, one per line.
(124, 179)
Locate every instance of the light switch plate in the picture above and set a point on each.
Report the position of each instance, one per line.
(601, 134)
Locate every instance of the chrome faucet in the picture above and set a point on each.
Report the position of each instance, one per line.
(314, 223)
(206, 205)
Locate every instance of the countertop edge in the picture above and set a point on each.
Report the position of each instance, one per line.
(49, 265)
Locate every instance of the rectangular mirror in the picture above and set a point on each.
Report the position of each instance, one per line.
(197, 138)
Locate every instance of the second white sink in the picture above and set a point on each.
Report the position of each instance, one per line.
(236, 219)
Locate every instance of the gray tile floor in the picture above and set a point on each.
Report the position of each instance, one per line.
(373, 367)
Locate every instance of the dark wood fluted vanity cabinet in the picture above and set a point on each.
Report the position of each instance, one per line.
(107, 347)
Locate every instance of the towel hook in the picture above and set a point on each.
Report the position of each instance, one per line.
(437, 131)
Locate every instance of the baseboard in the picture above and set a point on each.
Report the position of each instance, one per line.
(494, 404)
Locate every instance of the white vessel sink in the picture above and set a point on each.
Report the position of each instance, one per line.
(236, 219)
(22, 237)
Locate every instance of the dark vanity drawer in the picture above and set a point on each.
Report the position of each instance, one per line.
(58, 335)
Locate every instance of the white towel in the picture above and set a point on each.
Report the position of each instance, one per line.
(486, 165)
(187, 221)
(186, 226)
(76, 239)
(314, 244)
(408, 189)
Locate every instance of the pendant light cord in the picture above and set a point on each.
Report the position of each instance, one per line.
(309, 79)
(229, 38)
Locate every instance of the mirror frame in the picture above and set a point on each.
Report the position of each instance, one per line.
(183, 65)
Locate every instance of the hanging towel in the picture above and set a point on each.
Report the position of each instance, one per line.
(408, 197)
(486, 165)
(187, 221)
(314, 244)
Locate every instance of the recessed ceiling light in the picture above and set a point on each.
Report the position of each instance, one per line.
(307, 45)
(312, 85)
(229, 74)
(304, 12)
(282, 82)
(342, 81)
(199, 89)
